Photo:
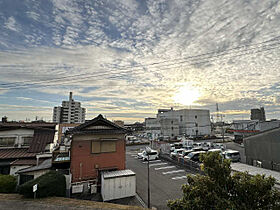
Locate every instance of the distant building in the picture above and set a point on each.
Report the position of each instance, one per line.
(70, 112)
(245, 128)
(262, 149)
(258, 114)
(183, 122)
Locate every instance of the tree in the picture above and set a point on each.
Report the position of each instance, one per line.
(219, 189)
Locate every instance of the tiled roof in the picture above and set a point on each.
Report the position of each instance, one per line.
(13, 153)
(41, 138)
(31, 162)
(46, 164)
(99, 120)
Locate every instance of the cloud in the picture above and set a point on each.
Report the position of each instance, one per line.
(134, 54)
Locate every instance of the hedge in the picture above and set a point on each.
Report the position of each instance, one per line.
(50, 184)
(8, 183)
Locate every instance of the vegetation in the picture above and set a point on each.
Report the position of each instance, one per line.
(218, 189)
(8, 183)
(49, 184)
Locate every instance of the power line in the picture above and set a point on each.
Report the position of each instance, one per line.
(84, 76)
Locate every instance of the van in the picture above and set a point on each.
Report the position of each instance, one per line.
(232, 155)
(153, 155)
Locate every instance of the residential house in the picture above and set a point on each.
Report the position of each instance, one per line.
(23, 145)
(96, 146)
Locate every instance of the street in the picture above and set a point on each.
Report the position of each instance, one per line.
(166, 178)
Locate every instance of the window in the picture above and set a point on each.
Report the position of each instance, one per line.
(181, 118)
(171, 128)
(195, 116)
(103, 146)
(27, 140)
(7, 141)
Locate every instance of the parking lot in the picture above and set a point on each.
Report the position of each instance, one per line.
(166, 178)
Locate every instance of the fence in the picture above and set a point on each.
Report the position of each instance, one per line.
(192, 166)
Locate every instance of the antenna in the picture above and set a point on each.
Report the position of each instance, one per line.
(217, 112)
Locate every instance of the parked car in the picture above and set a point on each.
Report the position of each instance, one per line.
(172, 147)
(176, 153)
(185, 152)
(216, 150)
(219, 146)
(232, 155)
(178, 145)
(153, 155)
(207, 145)
(194, 156)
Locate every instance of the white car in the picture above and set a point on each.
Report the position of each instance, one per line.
(232, 155)
(153, 155)
(194, 156)
(176, 152)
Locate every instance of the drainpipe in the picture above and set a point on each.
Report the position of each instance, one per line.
(37, 161)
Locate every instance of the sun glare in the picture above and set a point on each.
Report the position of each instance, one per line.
(186, 95)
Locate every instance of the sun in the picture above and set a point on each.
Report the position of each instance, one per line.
(186, 95)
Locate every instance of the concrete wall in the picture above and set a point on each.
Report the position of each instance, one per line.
(169, 127)
(264, 147)
(85, 165)
(14, 169)
(192, 122)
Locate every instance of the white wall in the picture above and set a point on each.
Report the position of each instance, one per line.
(18, 134)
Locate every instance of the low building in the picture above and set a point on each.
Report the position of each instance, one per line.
(96, 146)
(263, 149)
(190, 122)
(244, 128)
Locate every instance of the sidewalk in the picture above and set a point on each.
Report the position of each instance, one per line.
(252, 170)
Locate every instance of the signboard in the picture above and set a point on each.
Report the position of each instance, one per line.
(35, 187)
(77, 188)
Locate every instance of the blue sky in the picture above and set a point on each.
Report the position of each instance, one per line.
(126, 59)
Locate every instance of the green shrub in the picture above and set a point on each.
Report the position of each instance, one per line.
(8, 183)
(49, 184)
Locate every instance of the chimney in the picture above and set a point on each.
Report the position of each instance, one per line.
(70, 96)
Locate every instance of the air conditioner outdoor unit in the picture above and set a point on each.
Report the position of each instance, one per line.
(93, 189)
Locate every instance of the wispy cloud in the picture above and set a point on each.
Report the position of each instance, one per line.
(135, 54)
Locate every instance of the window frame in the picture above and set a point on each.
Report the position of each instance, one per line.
(100, 143)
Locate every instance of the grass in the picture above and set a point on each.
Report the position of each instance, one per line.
(68, 202)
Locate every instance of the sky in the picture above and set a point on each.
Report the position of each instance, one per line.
(126, 59)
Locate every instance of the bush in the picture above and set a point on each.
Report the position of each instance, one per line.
(49, 184)
(8, 183)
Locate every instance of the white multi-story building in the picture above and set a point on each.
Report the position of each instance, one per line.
(183, 122)
(70, 112)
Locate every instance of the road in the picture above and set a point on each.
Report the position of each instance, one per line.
(166, 178)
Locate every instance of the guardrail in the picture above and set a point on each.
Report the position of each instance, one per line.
(188, 164)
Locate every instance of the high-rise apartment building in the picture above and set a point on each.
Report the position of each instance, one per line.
(70, 112)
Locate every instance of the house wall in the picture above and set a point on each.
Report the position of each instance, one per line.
(38, 173)
(18, 134)
(14, 169)
(85, 165)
